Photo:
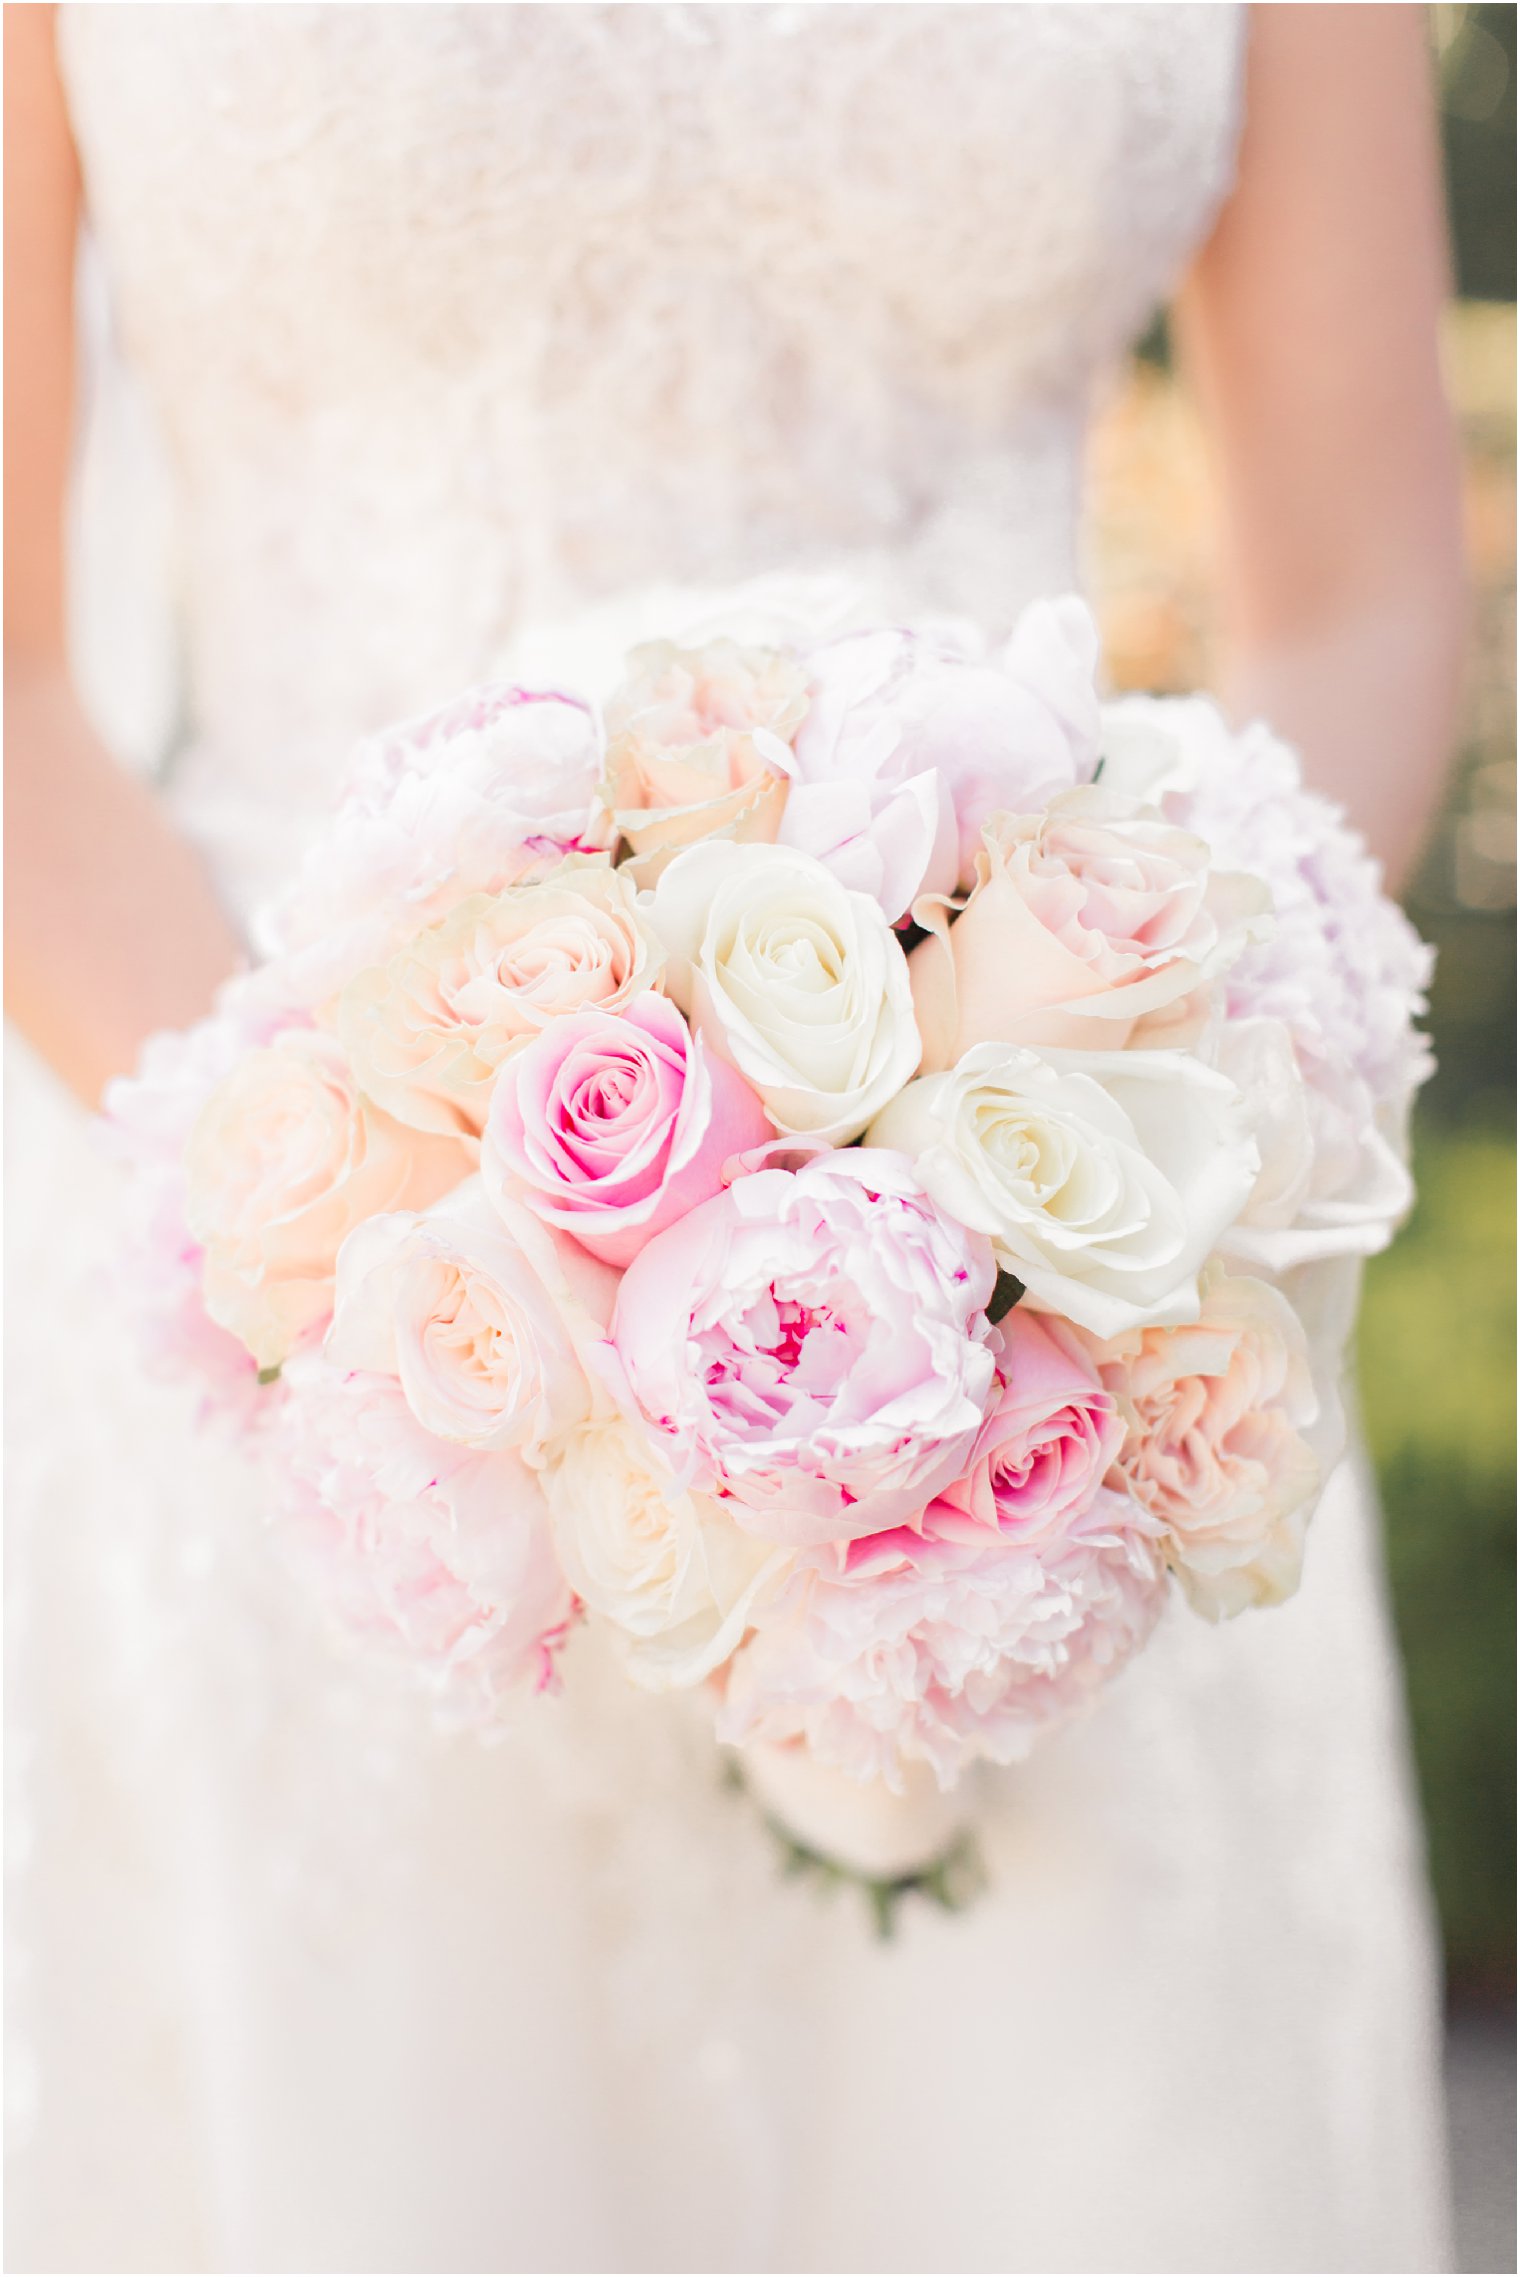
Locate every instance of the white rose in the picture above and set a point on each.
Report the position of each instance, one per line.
(448, 1302)
(1103, 1179)
(796, 980)
(670, 1569)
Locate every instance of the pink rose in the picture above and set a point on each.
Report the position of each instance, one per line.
(814, 1345)
(439, 1557)
(1041, 1455)
(901, 1651)
(612, 1127)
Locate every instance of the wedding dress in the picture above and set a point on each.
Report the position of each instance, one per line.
(453, 321)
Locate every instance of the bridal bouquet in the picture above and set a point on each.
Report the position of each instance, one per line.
(837, 1165)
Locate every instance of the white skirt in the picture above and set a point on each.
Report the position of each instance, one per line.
(298, 1984)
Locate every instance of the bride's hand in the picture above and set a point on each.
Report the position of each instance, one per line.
(111, 925)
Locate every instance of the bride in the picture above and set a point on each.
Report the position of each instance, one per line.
(454, 321)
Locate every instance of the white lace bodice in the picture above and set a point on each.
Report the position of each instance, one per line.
(456, 318)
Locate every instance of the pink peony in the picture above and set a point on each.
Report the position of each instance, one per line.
(913, 738)
(435, 1555)
(613, 1127)
(940, 1653)
(814, 1345)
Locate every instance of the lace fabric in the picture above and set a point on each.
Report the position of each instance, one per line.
(455, 322)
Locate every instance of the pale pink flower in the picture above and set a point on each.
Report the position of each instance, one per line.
(942, 1653)
(1083, 919)
(612, 1128)
(488, 791)
(813, 1345)
(436, 1556)
(914, 738)
(1217, 1444)
(426, 1033)
(699, 744)
(487, 1352)
(285, 1158)
(1343, 971)
(146, 1122)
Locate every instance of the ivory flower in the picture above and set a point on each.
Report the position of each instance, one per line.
(427, 1032)
(450, 1304)
(1082, 920)
(1215, 1448)
(699, 743)
(285, 1159)
(793, 978)
(668, 1567)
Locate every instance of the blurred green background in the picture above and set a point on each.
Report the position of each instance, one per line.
(1438, 1327)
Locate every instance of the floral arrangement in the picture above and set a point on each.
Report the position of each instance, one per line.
(839, 1165)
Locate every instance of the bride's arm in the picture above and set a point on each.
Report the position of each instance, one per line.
(1310, 326)
(111, 926)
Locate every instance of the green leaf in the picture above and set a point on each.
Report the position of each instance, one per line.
(1006, 1292)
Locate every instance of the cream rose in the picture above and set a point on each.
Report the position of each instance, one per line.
(427, 1032)
(1215, 1448)
(285, 1159)
(450, 1303)
(796, 980)
(1103, 1179)
(668, 1567)
(1082, 920)
(699, 742)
